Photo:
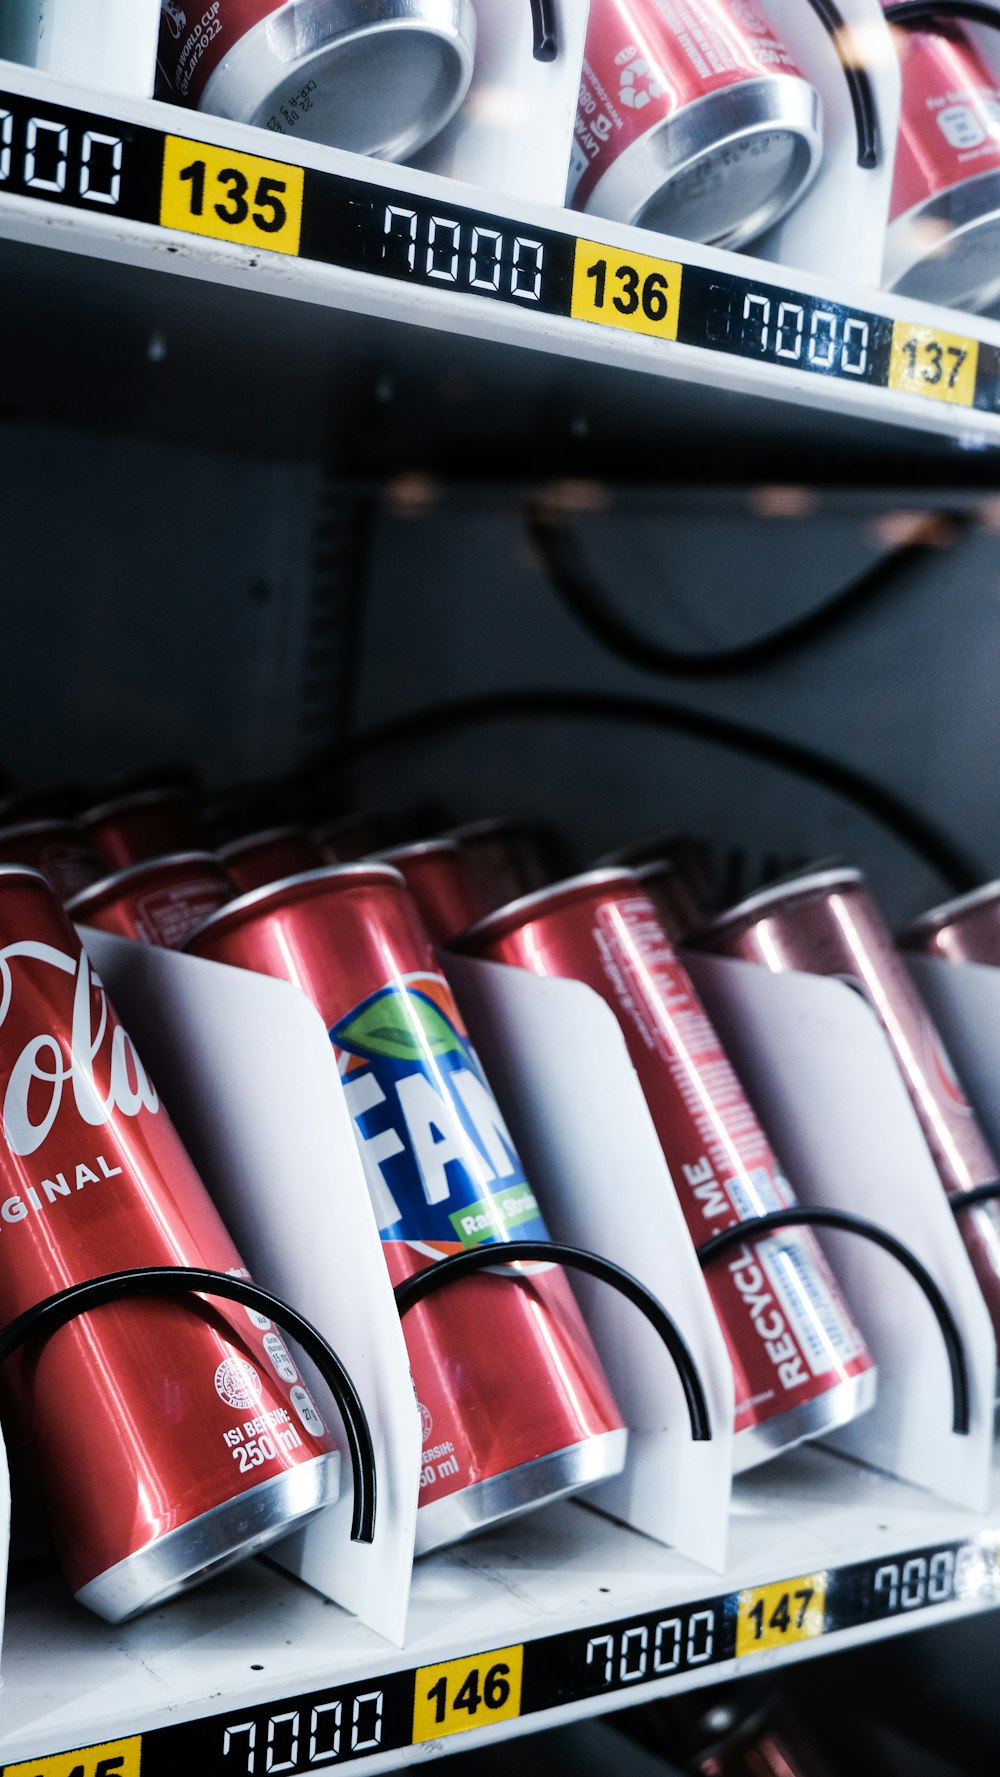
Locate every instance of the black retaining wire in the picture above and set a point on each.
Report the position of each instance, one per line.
(956, 868)
(578, 591)
(55, 1311)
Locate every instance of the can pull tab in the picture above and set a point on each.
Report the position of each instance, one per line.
(858, 81)
(544, 46)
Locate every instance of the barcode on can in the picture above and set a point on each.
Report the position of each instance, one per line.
(824, 1332)
(756, 1193)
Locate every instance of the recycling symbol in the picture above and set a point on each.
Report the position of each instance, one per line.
(635, 95)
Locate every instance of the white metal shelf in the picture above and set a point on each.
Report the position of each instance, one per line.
(235, 355)
(595, 1607)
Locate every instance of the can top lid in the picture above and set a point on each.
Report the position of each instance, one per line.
(418, 848)
(25, 870)
(520, 912)
(264, 836)
(102, 811)
(787, 888)
(472, 830)
(43, 824)
(946, 911)
(653, 849)
(272, 891)
(95, 891)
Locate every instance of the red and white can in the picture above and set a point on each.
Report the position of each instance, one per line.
(943, 239)
(514, 1404)
(440, 879)
(376, 76)
(144, 824)
(55, 847)
(965, 930)
(159, 902)
(270, 856)
(827, 923)
(692, 119)
(165, 1439)
(800, 1365)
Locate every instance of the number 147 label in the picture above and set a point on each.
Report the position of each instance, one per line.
(627, 290)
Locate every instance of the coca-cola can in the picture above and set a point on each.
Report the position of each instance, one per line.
(826, 922)
(260, 858)
(692, 119)
(507, 858)
(165, 1439)
(155, 903)
(144, 824)
(57, 848)
(514, 1405)
(800, 1365)
(943, 239)
(964, 930)
(680, 852)
(439, 877)
(376, 76)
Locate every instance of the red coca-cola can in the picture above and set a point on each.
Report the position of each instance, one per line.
(680, 852)
(155, 903)
(144, 824)
(965, 930)
(943, 239)
(375, 76)
(826, 923)
(57, 848)
(165, 1440)
(260, 858)
(799, 1363)
(440, 879)
(508, 858)
(692, 119)
(514, 1404)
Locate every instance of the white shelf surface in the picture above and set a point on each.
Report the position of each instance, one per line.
(391, 367)
(254, 1638)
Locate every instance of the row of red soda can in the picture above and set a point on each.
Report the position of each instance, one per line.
(134, 1417)
(693, 117)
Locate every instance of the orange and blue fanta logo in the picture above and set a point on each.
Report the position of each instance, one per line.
(438, 1157)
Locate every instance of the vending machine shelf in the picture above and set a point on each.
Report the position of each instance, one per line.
(438, 316)
(563, 1615)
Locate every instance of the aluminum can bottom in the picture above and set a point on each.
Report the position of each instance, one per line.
(847, 1400)
(947, 249)
(376, 80)
(216, 1539)
(520, 1489)
(721, 170)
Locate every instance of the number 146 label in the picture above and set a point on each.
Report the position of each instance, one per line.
(626, 290)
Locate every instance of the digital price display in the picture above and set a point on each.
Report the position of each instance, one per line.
(319, 1730)
(110, 167)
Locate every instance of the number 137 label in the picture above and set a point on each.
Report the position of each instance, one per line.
(626, 290)
(231, 196)
(925, 361)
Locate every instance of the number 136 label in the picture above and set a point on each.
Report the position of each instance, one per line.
(231, 196)
(626, 290)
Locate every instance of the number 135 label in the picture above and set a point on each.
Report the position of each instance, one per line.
(626, 290)
(231, 196)
(925, 361)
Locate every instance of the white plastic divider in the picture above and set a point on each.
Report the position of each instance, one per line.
(964, 999)
(107, 44)
(557, 1061)
(822, 1078)
(514, 131)
(838, 229)
(245, 1066)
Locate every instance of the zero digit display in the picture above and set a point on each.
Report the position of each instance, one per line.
(784, 327)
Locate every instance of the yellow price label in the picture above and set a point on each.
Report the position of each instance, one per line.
(626, 290)
(469, 1693)
(231, 196)
(926, 361)
(778, 1615)
(113, 1758)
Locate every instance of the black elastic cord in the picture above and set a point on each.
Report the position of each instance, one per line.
(579, 592)
(480, 1258)
(808, 1217)
(913, 12)
(858, 82)
(545, 46)
(168, 1280)
(959, 871)
(978, 1194)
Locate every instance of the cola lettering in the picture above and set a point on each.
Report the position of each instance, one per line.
(41, 1066)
